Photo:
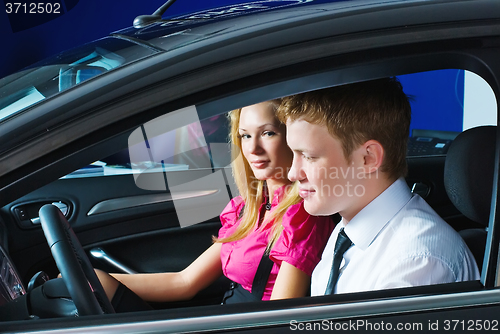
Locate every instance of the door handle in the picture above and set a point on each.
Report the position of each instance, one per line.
(26, 214)
(60, 205)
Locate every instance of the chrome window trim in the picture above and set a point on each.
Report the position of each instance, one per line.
(136, 201)
(347, 310)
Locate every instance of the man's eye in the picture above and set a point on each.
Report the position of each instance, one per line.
(308, 158)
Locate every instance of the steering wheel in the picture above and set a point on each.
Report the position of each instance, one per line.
(73, 264)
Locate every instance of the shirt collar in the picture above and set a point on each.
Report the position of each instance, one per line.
(365, 226)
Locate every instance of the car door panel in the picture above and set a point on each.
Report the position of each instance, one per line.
(143, 232)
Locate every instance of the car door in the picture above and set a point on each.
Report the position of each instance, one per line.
(313, 65)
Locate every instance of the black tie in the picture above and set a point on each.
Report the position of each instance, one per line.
(341, 246)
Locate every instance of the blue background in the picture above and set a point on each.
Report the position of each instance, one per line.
(438, 99)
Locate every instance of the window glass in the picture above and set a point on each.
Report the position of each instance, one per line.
(70, 68)
(180, 141)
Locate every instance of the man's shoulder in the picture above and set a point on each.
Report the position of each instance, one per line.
(422, 233)
(418, 213)
(418, 226)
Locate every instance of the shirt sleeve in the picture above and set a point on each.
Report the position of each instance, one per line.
(230, 215)
(303, 239)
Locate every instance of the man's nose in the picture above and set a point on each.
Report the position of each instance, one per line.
(295, 172)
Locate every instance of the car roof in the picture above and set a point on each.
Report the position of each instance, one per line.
(262, 16)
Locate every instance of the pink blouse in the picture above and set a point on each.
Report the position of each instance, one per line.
(301, 244)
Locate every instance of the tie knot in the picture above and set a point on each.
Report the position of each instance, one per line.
(343, 243)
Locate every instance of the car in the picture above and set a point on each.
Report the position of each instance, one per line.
(127, 137)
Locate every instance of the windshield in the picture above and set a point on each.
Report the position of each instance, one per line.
(63, 71)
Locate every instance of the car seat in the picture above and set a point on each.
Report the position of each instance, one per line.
(468, 180)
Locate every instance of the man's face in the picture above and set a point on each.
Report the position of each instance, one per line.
(328, 182)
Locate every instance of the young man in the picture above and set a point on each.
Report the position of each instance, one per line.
(349, 145)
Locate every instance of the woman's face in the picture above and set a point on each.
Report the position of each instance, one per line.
(263, 142)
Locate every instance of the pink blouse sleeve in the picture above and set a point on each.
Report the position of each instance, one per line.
(230, 215)
(303, 239)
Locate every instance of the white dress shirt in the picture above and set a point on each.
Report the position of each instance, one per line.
(398, 241)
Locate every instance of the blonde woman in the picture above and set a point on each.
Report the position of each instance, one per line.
(267, 223)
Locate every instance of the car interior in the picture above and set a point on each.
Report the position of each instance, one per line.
(148, 199)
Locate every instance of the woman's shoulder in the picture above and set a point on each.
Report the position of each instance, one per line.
(231, 212)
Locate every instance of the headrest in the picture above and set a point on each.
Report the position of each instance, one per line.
(468, 172)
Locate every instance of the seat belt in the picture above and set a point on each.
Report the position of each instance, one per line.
(259, 281)
(262, 276)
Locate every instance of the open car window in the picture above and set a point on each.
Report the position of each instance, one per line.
(188, 157)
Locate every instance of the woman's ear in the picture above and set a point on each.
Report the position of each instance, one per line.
(373, 154)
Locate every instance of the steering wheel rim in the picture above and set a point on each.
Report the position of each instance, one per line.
(76, 270)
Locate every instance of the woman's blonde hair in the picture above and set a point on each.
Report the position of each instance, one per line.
(252, 190)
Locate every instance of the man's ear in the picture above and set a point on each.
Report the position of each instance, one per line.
(373, 154)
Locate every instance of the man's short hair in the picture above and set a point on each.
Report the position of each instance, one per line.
(356, 113)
